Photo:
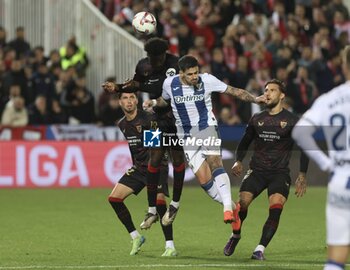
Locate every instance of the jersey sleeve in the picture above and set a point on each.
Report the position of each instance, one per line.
(166, 89)
(215, 85)
(315, 114)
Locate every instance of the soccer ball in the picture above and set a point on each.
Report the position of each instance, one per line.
(144, 23)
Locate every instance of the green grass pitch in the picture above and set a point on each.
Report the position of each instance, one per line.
(77, 229)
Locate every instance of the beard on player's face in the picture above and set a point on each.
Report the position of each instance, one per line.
(272, 103)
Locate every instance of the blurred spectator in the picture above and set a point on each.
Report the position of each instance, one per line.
(341, 24)
(38, 58)
(38, 112)
(329, 74)
(74, 55)
(15, 113)
(3, 42)
(9, 57)
(228, 117)
(19, 44)
(303, 91)
(58, 115)
(16, 76)
(336, 5)
(218, 66)
(111, 112)
(54, 59)
(103, 97)
(184, 38)
(288, 104)
(80, 104)
(199, 27)
(43, 83)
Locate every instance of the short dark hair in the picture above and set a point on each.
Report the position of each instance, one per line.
(280, 84)
(187, 61)
(156, 46)
(119, 94)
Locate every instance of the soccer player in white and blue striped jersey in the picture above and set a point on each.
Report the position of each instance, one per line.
(190, 96)
(331, 113)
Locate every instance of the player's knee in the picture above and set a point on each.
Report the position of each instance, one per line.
(178, 158)
(160, 200)
(155, 160)
(112, 199)
(179, 167)
(277, 199)
(244, 205)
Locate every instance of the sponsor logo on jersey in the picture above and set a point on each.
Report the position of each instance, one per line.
(191, 98)
(170, 72)
(199, 87)
(139, 128)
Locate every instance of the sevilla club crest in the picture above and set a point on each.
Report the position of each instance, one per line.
(283, 124)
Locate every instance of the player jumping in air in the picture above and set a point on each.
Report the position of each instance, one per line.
(149, 77)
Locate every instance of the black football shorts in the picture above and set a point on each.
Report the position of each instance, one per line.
(136, 180)
(256, 182)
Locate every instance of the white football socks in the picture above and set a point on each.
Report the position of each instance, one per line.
(222, 182)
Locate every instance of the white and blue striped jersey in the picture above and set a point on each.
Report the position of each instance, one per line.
(331, 112)
(192, 106)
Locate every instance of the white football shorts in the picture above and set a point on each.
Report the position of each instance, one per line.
(338, 210)
(200, 145)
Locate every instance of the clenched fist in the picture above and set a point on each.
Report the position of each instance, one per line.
(110, 87)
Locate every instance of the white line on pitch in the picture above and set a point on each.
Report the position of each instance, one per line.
(159, 266)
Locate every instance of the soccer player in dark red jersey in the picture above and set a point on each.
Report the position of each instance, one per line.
(269, 166)
(134, 180)
(149, 76)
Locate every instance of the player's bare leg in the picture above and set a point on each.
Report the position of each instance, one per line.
(337, 257)
(119, 193)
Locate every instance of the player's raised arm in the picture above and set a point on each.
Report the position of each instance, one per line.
(111, 87)
(149, 105)
(244, 95)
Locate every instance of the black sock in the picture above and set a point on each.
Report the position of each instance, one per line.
(152, 183)
(122, 212)
(167, 230)
(179, 175)
(242, 215)
(271, 224)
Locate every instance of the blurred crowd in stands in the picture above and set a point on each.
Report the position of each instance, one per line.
(248, 42)
(36, 89)
(244, 43)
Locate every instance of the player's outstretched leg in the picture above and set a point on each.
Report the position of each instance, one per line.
(223, 185)
(211, 189)
(236, 231)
